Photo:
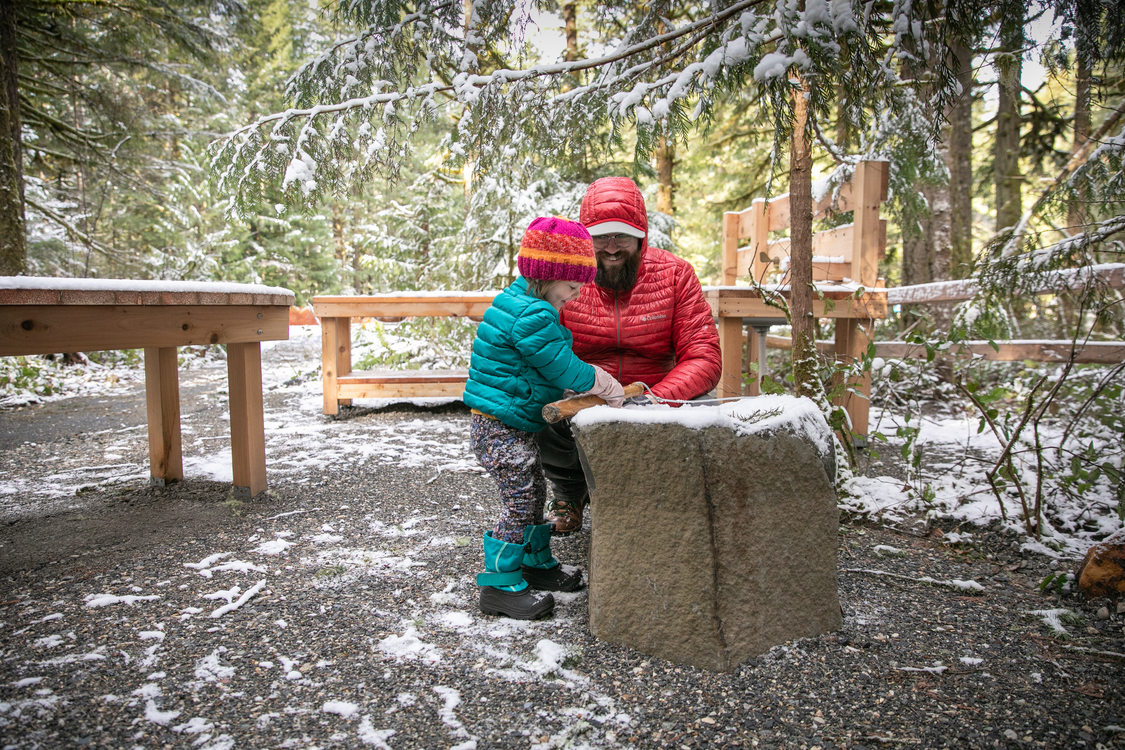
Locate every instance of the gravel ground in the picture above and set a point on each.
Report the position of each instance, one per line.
(358, 623)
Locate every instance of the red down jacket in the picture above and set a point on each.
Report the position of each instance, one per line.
(661, 332)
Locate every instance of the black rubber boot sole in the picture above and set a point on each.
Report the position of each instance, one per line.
(552, 579)
(519, 605)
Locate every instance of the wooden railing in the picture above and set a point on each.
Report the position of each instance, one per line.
(845, 270)
(849, 290)
(1109, 275)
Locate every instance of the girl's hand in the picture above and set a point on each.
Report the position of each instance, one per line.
(606, 386)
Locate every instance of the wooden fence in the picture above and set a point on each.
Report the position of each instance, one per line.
(1110, 275)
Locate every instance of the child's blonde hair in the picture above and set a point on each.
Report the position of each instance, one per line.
(539, 287)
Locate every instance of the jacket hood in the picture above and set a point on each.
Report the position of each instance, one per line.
(615, 199)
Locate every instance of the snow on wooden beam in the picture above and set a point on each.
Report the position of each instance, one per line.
(1092, 352)
(1110, 274)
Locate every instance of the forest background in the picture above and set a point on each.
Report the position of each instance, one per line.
(125, 110)
(374, 145)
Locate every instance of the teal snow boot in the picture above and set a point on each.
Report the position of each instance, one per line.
(503, 591)
(540, 568)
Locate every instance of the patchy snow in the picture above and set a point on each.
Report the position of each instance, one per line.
(303, 443)
(347, 709)
(242, 579)
(105, 600)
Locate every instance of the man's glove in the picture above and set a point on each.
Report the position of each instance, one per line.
(606, 386)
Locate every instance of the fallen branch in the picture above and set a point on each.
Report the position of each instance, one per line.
(1093, 651)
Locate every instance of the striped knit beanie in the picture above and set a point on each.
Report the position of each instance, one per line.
(556, 249)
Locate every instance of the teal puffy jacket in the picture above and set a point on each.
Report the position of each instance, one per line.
(522, 360)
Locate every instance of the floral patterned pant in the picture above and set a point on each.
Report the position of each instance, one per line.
(511, 457)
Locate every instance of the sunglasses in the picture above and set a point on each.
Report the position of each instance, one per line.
(623, 241)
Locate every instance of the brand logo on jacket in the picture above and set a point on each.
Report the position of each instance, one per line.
(654, 316)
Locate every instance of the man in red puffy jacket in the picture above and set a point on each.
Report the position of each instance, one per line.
(643, 319)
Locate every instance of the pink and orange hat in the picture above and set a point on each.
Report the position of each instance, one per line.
(557, 249)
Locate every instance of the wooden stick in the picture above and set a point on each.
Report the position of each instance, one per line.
(559, 410)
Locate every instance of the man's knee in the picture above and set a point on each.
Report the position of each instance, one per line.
(557, 444)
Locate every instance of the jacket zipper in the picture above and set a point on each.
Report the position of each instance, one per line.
(617, 318)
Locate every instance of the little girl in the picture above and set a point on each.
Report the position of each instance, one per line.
(521, 361)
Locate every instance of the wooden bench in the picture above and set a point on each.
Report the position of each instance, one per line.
(341, 385)
(48, 316)
(845, 270)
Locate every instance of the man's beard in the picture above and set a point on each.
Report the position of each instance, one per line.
(620, 278)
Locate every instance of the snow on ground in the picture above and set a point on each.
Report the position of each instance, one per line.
(949, 486)
(301, 443)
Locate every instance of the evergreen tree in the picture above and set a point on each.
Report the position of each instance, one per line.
(661, 73)
(13, 240)
(101, 87)
(1039, 242)
(1006, 171)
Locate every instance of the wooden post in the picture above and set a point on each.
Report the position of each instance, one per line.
(335, 358)
(852, 338)
(343, 352)
(730, 344)
(731, 221)
(871, 184)
(759, 233)
(247, 421)
(162, 403)
(754, 357)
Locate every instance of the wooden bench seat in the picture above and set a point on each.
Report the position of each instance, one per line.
(402, 384)
(336, 314)
(52, 315)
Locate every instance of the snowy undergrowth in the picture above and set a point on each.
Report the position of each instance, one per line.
(982, 457)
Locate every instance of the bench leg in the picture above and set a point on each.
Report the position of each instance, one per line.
(755, 360)
(335, 359)
(162, 403)
(730, 344)
(852, 338)
(247, 421)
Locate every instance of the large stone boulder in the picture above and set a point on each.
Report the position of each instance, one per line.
(713, 528)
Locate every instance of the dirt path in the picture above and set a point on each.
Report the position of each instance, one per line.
(358, 626)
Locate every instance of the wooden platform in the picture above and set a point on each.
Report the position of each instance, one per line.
(52, 315)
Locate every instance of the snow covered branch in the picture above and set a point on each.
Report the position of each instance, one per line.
(359, 103)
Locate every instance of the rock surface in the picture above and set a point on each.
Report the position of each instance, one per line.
(1102, 572)
(713, 530)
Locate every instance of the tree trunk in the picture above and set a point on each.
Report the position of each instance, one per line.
(13, 237)
(1076, 206)
(1006, 167)
(470, 157)
(665, 161)
(665, 157)
(926, 247)
(570, 22)
(806, 376)
(842, 128)
(1076, 210)
(959, 160)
